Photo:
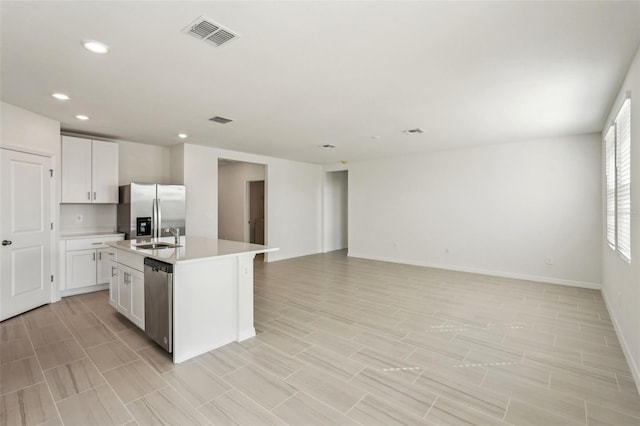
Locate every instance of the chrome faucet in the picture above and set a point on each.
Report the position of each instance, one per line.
(175, 232)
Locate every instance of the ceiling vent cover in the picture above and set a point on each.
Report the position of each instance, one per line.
(220, 120)
(207, 30)
(415, 131)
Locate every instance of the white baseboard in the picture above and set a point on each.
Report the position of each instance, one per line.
(82, 290)
(635, 370)
(502, 274)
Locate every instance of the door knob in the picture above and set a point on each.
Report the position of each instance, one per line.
(6, 242)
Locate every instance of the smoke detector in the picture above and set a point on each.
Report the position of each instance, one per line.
(210, 31)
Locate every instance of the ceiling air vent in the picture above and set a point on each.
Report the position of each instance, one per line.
(415, 131)
(207, 30)
(220, 120)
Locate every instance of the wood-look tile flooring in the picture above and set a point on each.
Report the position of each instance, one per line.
(340, 341)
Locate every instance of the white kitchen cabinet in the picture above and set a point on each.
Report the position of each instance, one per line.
(123, 304)
(85, 263)
(89, 171)
(81, 268)
(137, 298)
(103, 257)
(130, 287)
(104, 172)
(113, 279)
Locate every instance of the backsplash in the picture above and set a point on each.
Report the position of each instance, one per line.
(80, 218)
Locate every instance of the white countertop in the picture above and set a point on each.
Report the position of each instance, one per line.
(191, 248)
(72, 235)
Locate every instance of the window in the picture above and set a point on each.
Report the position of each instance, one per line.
(610, 170)
(618, 180)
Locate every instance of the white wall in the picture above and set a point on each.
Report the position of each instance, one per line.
(201, 181)
(292, 190)
(143, 163)
(335, 212)
(500, 209)
(176, 164)
(83, 218)
(232, 196)
(621, 280)
(24, 129)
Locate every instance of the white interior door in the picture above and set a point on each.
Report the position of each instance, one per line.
(25, 230)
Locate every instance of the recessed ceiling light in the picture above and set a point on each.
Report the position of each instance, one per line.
(61, 96)
(182, 135)
(82, 117)
(375, 137)
(95, 46)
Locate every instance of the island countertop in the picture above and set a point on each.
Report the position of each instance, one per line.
(191, 248)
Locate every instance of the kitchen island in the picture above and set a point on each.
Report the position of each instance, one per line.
(212, 302)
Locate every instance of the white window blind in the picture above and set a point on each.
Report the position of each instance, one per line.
(623, 180)
(610, 171)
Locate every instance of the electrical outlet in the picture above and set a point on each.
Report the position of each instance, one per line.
(447, 251)
(549, 260)
(79, 218)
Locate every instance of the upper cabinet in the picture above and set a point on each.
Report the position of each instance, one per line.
(89, 171)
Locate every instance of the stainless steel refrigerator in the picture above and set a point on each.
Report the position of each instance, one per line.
(146, 210)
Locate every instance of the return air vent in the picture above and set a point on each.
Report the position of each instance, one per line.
(415, 131)
(220, 120)
(207, 30)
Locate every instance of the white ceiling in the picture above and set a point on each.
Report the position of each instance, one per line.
(304, 74)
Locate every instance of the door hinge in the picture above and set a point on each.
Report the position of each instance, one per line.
(51, 278)
(51, 172)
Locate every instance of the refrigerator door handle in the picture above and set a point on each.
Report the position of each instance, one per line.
(159, 209)
(154, 219)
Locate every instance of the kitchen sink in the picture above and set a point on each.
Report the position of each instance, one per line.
(156, 246)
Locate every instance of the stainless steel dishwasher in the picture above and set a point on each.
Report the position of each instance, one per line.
(158, 302)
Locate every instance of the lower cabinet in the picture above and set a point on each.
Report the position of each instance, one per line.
(123, 303)
(81, 268)
(113, 280)
(137, 298)
(127, 291)
(85, 263)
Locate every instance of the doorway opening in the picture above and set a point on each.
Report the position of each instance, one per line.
(242, 201)
(336, 211)
(254, 229)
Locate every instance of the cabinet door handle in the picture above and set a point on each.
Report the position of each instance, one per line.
(100, 256)
(89, 196)
(113, 271)
(94, 195)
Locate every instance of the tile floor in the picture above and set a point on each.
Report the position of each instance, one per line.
(340, 341)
